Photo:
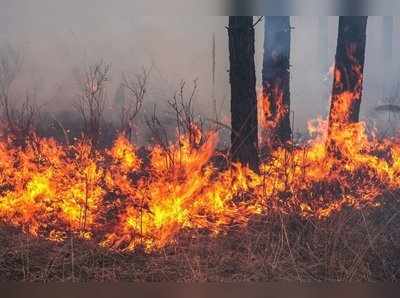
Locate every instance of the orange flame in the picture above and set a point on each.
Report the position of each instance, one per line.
(122, 200)
(268, 117)
(116, 198)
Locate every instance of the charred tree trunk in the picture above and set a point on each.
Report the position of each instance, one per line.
(244, 142)
(387, 36)
(276, 79)
(348, 73)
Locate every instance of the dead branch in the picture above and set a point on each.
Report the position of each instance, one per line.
(136, 87)
(182, 106)
(19, 119)
(92, 99)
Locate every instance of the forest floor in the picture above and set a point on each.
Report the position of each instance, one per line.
(351, 245)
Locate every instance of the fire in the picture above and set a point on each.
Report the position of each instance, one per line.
(347, 89)
(270, 117)
(52, 191)
(122, 199)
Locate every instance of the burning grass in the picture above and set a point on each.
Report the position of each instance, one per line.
(326, 209)
(122, 201)
(79, 213)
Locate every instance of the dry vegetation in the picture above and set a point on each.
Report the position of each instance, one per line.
(349, 246)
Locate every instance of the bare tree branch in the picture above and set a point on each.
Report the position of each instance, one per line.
(92, 99)
(19, 119)
(137, 90)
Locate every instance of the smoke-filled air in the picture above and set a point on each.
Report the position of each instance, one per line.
(197, 148)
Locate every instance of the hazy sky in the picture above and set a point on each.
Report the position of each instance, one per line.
(58, 38)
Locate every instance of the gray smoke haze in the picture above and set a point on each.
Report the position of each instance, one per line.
(58, 38)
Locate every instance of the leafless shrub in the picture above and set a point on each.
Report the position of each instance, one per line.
(186, 121)
(19, 120)
(136, 87)
(24, 118)
(92, 99)
(157, 129)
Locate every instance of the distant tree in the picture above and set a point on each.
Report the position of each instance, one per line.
(10, 64)
(213, 56)
(349, 71)
(323, 41)
(390, 104)
(387, 40)
(244, 139)
(276, 78)
(120, 96)
(324, 63)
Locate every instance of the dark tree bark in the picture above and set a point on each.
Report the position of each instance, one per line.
(349, 70)
(276, 78)
(244, 141)
(387, 36)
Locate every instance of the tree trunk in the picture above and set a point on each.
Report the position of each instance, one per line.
(348, 73)
(244, 142)
(276, 79)
(387, 35)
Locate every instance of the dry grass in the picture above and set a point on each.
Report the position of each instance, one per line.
(353, 245)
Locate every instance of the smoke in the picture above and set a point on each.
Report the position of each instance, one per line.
(58, 39)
